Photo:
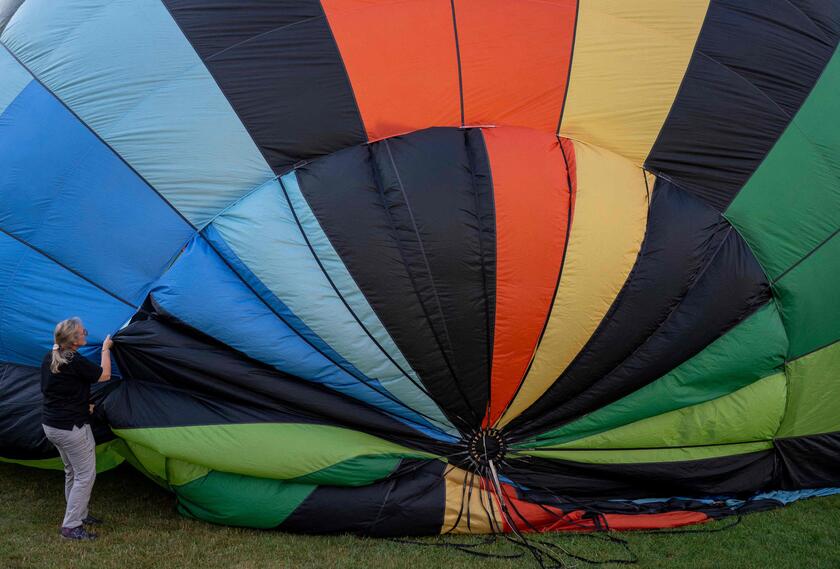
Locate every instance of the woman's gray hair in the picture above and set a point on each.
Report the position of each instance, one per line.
(64, 336)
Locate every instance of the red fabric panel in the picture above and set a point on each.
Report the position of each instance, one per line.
(531, 194)
(402, 62)
(515, 60)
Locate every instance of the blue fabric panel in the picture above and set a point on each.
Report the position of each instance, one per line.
(202, 291)
(36, 293)
(13, 78)
(783, 496)
(127, 70)
(69, 195)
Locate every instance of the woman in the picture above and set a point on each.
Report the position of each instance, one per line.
(66, 378)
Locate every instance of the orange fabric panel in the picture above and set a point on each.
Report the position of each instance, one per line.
(532, 198)
(530, 517)
(515, 60)
(402, 62)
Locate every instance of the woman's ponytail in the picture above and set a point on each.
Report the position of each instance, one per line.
(64, 335)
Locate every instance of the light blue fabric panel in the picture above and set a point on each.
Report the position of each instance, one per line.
(275, 304)
(68, 195)
(340, 276)
(202, 291)
(262, 232)
(127, 70)
(13, 78)
(789, 496)
(36, 293)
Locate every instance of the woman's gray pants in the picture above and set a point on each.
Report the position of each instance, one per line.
(78, 452)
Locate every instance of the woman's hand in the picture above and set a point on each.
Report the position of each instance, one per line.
(107, 343)
(90, 409)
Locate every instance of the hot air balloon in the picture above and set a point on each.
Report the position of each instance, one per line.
(436, 266)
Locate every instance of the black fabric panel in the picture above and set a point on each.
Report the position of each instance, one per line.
(21, 434)
(824, 15)
(140, 404)
(279, 66)
(753, 66)
(411, 501)
(731, 475)
(412, 219)
(715, 510)
(682, 236)
(809, 462)
(216, 384)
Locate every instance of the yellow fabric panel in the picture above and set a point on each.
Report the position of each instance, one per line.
(608, 225)
(468, 505)
(628, 61)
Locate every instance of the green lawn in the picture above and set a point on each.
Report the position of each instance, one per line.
(145, 531)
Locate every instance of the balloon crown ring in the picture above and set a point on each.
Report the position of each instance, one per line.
(487, 445)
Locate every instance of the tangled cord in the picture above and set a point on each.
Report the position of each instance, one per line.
(546, 554)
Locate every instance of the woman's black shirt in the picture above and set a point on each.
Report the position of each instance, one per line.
(67, 393)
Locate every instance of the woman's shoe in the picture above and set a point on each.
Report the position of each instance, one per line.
(77, 533)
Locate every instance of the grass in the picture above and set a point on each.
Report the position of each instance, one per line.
(144, 531)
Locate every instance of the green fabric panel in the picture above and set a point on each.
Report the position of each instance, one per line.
(236, 500)
(754, 349)
(813, 394)
(269, 450)
(107, 458)
(809, 296)
(752, 413)
(358, 471)
(649, 455)
(792, 202)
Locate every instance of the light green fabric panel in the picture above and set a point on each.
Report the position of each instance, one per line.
(752, 413)
(179, 472)
(236, 500)
(270, 450)
(152, 462)
(755, 348)
(650, 455)
(107, 457)
(809, 296)
(163, 470)
(813, 394)
(792, 201)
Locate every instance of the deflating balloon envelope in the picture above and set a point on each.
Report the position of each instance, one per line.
(432, 267)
